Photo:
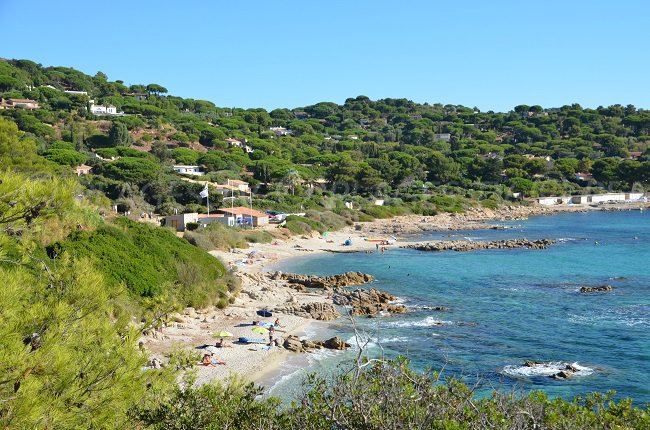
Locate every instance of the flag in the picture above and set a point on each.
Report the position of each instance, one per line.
(204, 192)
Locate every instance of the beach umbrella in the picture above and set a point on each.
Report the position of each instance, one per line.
(264, 313)
(259, 330)
(222, 333)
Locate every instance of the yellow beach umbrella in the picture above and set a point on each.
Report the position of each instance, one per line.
(222, 333)
(259, 330)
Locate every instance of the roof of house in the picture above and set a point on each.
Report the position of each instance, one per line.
(83, 166)
(244, 211)
(236, 182)
(202, 216)
(22, 101)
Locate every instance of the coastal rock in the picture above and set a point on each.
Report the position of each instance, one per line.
(368, 302)
(292, 343)
(462, 245)
(336, 343)
(324, 282)
(316, 310)
(598, 289)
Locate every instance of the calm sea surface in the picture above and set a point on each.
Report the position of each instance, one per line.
(508, 306)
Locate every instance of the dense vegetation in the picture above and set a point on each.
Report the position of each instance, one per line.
(79, 285)
(306, 158)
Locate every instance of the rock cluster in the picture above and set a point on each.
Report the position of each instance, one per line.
(316, 310)
(568, 372)
(324, 282)
(598, 289)
(462, 245)
(293, 343)
(368, 302)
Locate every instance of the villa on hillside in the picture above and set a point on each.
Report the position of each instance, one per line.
(443, 136)
(82, 170)
(188, 170)
(281, 131)
(104, 110)
(18, 104)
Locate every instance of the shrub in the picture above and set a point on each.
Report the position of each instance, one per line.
(142, 257)
(253, 236)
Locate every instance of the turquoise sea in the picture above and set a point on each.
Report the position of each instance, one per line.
(508, 306)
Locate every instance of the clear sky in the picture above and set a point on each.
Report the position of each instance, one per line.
(286, 53)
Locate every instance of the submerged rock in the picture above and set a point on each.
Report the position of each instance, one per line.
(598, 289)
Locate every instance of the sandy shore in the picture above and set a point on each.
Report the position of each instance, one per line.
(194, 328)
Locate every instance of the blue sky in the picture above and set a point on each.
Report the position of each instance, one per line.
(490, 54)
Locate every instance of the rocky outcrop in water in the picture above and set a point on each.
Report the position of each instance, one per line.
(323, 282)
(598, 289)
(462, 245)
(317, 310)
(368, 302)
(293, 343)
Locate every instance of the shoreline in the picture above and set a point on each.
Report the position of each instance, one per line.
(194, 327)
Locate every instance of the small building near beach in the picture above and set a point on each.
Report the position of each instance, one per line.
(247, 216)
(592, 199)
(180, 221)
(228, 220)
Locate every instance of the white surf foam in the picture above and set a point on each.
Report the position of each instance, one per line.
(545, 369)
(427, 322)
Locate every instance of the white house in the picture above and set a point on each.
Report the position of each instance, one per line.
(188, 170)
(443, 136)
(281, 131)
(103, 110)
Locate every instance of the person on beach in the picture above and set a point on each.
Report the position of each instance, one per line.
(207, 360)
(221, 343)
(277, 323)
(271, 334)
(216, 361)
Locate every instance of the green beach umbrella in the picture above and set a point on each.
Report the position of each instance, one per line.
(259, 330)
(222, 333)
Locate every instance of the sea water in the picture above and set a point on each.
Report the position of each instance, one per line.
(508, 306)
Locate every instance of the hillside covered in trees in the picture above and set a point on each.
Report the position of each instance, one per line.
(405, 153)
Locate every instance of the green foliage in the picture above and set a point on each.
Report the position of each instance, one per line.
(119, 135)
(301, 225)
(65, 157)
(257, 236)
(449, 203)
(212, 406)
(217, 236)
(141, 257)
(134, 170)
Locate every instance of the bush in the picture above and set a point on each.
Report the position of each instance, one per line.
(191, 226)
(302, 225)
(449, 203)
(142, 257)
(259, 236)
